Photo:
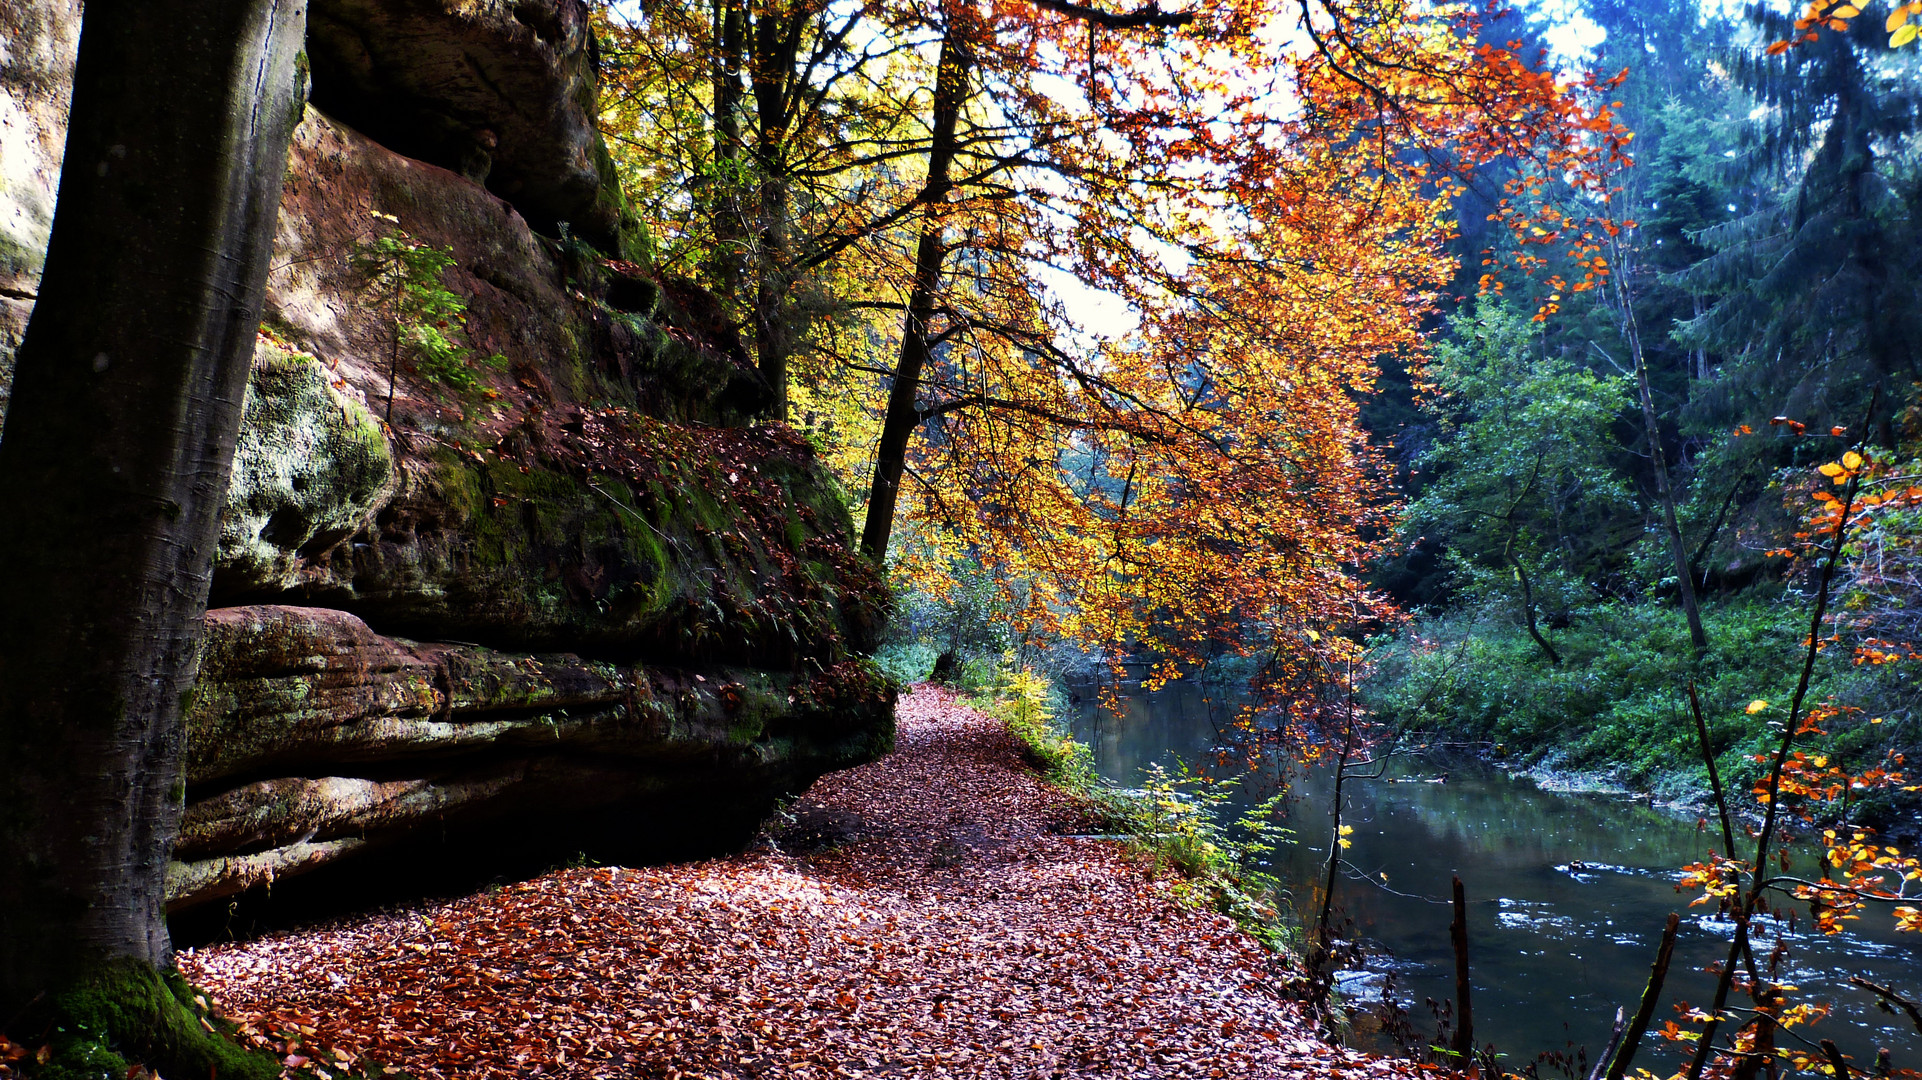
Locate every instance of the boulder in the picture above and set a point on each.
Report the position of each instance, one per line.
(310, 469)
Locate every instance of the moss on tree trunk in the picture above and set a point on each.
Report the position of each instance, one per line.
(114, 466)
(118, 1014)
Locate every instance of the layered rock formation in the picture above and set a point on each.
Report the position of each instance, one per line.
(551, 574)
(319, 738)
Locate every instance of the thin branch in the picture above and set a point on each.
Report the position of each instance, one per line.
(1149, 15)
(1914, 1009)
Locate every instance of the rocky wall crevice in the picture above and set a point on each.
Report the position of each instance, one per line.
(312, 738)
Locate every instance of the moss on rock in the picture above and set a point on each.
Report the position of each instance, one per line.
(310, 468)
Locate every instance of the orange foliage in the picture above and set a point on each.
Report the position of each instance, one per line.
(1263, 215)
(1262, 186)
(1828, 14)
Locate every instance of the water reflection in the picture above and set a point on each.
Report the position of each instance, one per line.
(1568, 893)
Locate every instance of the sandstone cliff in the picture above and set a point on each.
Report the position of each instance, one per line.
(553, 574)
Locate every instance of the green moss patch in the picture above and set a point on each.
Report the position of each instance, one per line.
(310, 468)
(601, 527)
(123, 1014)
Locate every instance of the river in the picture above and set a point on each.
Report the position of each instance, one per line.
(1567, 893)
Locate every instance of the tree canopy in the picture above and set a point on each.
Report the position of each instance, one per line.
(928, 202)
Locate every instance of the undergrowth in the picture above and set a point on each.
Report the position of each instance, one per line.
(1617, 703)
(1177, 821)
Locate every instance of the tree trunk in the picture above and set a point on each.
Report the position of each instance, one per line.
(903, 415)
(115, 460)
(1528, 611)
(725, 186)
(1665, 494)
(1658, 459)
(773, 321)
(776, 42)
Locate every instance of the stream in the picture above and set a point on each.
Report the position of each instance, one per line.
(1567, 896)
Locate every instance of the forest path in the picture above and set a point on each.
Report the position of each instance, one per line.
(924, 921)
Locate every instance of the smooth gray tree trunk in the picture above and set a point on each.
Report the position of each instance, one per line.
(115, 458)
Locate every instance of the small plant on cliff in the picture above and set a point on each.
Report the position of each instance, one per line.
(429, 319)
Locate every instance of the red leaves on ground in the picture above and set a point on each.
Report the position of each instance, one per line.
(943, 932)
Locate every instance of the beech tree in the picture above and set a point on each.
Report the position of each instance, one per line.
(1269, 208)
(114, 465)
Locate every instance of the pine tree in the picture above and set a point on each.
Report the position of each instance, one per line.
(1817, 308)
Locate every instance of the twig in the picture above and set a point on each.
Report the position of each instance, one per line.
(1835, 1058)
(1614, 1044)
(1914, 1009)
(1464, 1045)
(1657, 972)
(635, 514)
(1714, 774)
(1746, 909)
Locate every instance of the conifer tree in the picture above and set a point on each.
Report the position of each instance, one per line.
(1817, 310)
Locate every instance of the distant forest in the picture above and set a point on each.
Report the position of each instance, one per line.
(1771, 269)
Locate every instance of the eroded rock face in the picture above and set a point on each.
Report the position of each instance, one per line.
(38, 42)
(310, 470)
(522, 516)
(530, 303)
(596, 491)
(556, 586)
(500, 91)
(300, 707)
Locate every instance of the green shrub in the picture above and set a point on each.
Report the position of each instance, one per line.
(906, 661)
(1178, 820)
(1618, 702)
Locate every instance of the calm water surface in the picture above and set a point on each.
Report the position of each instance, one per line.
(1567, 895)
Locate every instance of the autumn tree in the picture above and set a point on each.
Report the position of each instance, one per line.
(118, 443)
(772, 141)
(1203, 472)
(1200, 482)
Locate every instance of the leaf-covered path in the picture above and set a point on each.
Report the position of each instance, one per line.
(924, 921)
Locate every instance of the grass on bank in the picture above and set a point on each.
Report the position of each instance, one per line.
(1617, 704)
(1177, 820)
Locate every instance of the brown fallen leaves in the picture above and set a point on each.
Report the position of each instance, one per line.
(942, 931)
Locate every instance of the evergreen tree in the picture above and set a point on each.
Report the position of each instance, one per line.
(1816, 310)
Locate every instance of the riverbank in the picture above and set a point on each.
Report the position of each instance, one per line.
(1614, 711)
(924, 915)
(1567, 893)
